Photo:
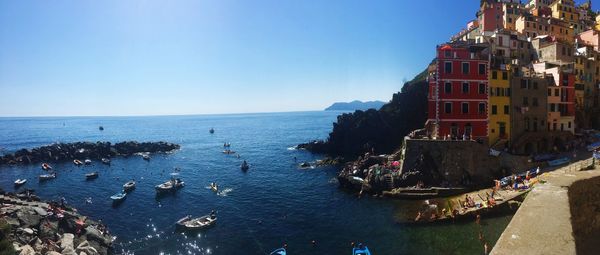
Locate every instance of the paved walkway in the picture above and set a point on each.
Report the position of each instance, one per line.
(542, 225)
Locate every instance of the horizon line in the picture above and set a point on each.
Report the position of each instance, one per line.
(163, 115)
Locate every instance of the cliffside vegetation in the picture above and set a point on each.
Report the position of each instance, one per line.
(379, 130)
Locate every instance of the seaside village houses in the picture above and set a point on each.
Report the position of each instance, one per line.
(524, 77)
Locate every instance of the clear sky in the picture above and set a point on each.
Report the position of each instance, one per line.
(65, 58)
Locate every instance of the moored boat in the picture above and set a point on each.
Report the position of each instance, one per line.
(105, 161)
(20, 182)
(170, 185)
(228, 151)
(360, 249)
(87, 161)
(45, 177)
(130, 185)
(77, 162)
(280, 251)
(101, 128)
(146, 157)
(558, 162)
(92, 175)
(46, 166)
(118, 197)
(211, 130)
(191, 224)
(424, 193)
(245, 166)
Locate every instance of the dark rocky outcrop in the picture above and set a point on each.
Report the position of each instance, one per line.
(355, 105)
(84, 150)
(379, 131)
(31, 227)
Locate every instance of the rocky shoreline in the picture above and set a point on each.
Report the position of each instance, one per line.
(84, 150)
(35, 227)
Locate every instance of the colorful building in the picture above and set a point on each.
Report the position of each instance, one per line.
(458, 92)
(499, 105)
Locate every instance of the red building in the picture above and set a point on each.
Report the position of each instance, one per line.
(458, 91)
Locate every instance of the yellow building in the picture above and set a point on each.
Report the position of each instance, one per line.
(499, 105)
(565, 10)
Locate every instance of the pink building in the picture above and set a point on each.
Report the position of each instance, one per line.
(590, 37)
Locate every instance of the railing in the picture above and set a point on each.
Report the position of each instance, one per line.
(581, 165)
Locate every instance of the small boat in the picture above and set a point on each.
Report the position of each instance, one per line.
(214, 187)
(304, 165)
(87, 161)
(130, 185)
(544, 157)
(226, 145)
(423, 193)
(101, 128)
(189, 223)
(118, 197)
(280, 251)
(146, 157)
(105, 161)
(169, 185)
(211, 130)
(245, 166)
(46, 166)
(45, 177)
(558, 162)
(77, 162)
(20, 182)
(360, 249)
(593, 146)
(228, 151)
(90, 176)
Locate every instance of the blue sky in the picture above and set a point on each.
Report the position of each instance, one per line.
(69, 58)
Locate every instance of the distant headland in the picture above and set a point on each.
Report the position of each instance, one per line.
(355, 105)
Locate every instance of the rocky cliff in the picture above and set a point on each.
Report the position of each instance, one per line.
(84, 150)
(381, 131)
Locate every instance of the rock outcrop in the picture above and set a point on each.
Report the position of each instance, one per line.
(48, 228)
(84, 150)
(377, 131)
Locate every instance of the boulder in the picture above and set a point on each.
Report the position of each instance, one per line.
(48, 229)
(28, 218)
(27, 250)
(52, 253)
(38, 246)
(67, 241)
(85, 248)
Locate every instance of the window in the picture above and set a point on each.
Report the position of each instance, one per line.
(465, 108)
(564, 50)
(494, 75)
(523, 84)
(465, 88)
(494, 110)
(448, 67)
(504, 75)
(447, 53)
(556, 91)
(540, 54)
(465, 68)
(506, 109)
(549, 92)
(448, 108)
(552, 107)
(534, 101)
(481, 69)
(481, 108)
(507, 92)
(569, 124)
(481, 88)
(448, 88)
(525, 101)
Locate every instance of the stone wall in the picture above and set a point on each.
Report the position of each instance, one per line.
(459, 163)
(584, 200)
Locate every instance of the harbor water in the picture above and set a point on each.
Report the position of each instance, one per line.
(273, 203)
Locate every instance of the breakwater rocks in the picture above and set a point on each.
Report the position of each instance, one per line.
(84, 150)
(35, 227)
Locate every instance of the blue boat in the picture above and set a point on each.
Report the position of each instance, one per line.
(593, 146)
(558, 162)
(280, 251)
(361, 249)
